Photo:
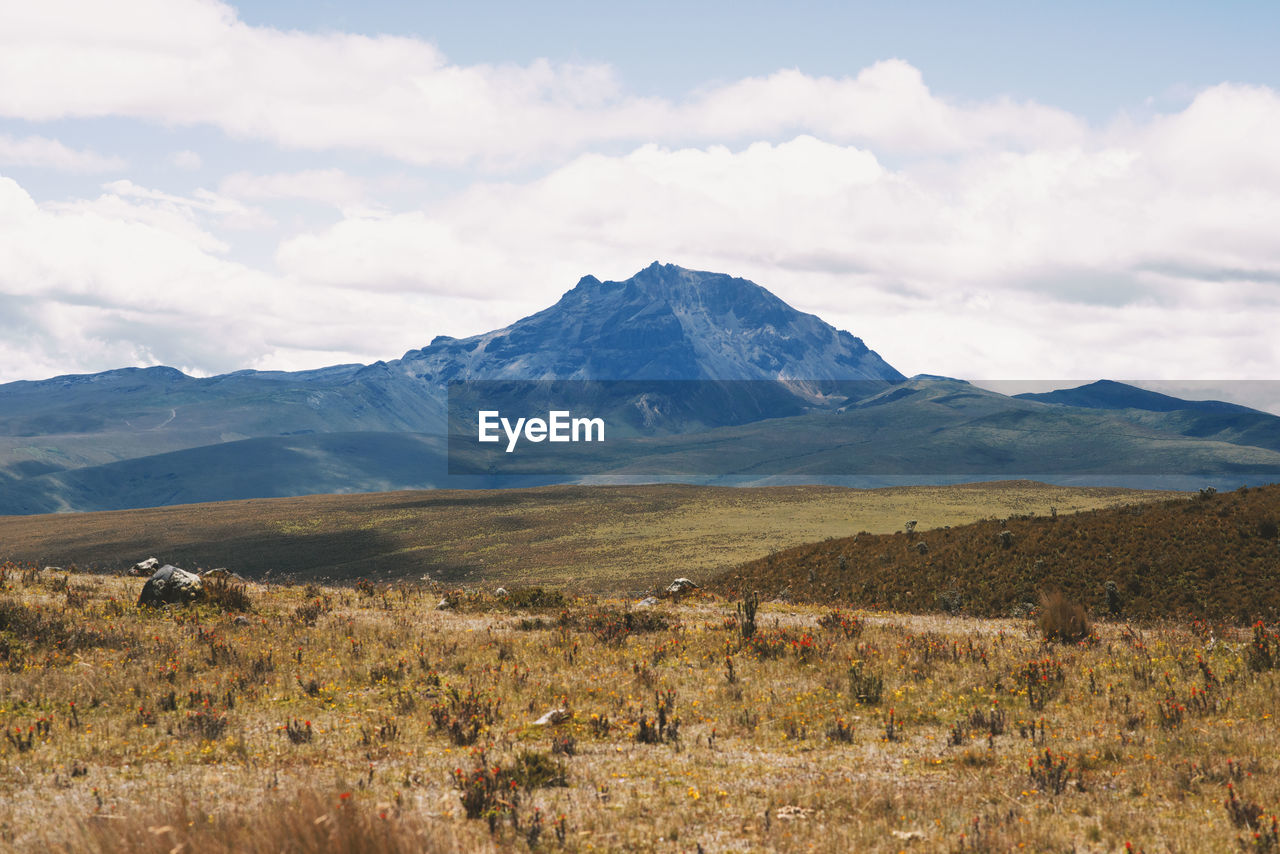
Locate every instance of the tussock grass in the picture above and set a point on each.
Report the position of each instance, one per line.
(853, 730)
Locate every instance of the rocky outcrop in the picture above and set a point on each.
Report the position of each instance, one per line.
(170, 585)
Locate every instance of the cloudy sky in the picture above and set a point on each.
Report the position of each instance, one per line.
(985, 190)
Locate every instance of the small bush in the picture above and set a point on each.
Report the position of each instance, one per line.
(465, 716)
(299, 732)
(848, 624)
(535, 770)
(227, 595)
(866, 688)
(1049, 773)
(1062, 620)
(747, 615)
(205, 724)
(1263, 649)
(534, 598)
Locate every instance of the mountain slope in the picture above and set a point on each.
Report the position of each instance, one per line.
(1214, 557)
(664, 323)
(924, 427)
(1214, 420)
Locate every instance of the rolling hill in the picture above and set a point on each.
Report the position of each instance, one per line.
(1214, 556)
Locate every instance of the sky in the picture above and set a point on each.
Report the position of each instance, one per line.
(991, 191)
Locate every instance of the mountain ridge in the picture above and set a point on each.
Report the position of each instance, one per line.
(771, 375)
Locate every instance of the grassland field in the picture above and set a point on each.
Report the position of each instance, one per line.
(597, 539)
(363, 717)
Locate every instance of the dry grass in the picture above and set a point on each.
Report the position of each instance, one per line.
(338, 715)
(1062, 620)
(592, 538)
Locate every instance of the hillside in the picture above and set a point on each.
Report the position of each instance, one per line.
(600, 538)
(1213, 556)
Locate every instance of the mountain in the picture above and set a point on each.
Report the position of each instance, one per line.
(1214, 420)
(926, 427)
(700, 376)
(664, 323)
(114, 439)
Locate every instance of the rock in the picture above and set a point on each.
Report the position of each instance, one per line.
(241, 620)
(221, 572)
(680, 585)
(647, 602)
(501, 593)
(555, 716)
(145, 567)
(170, 586)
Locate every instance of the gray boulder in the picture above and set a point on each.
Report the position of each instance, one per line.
(681, 585)
(170, 585)
(145, 567)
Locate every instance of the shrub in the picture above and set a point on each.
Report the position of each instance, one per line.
(665, 728)
(1049, 773)
(533, 598)
(299, 732)
(227, 595)
(205, 724)
(465, 716)
(1113, 598)
(614, 627)
(535, 770)
(1262, 651)
(747, 615)
(866, 688)
(1062, 620)
(848, 624)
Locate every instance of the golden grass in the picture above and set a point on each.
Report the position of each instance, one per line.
(998, 740)
(595, 538)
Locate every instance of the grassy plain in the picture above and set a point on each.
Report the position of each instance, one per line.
(594, 538)
(364, 719)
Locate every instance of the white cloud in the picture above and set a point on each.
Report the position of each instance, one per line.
(976, 239)
(192, 62)
(187, 160)
(150, 204)
(42, 153)
(1107, 256)
(324, 186)
(133, 278)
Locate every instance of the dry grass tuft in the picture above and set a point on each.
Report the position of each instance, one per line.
(307, 823)
(1062, 620)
